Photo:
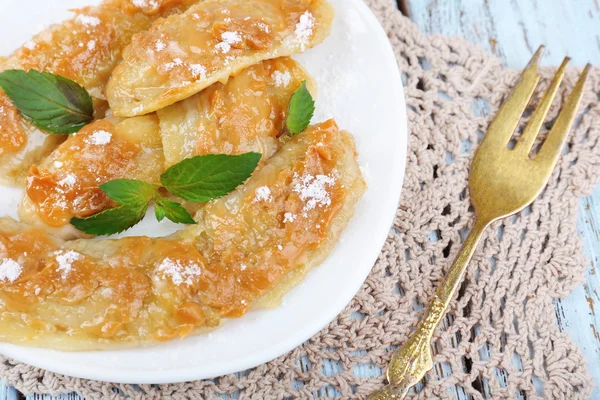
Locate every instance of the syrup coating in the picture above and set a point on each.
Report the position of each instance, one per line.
(181, 55)
(244, 115)
(66, 184)
(243, 254)
(85, 49)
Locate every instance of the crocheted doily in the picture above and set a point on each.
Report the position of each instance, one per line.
(501, 339)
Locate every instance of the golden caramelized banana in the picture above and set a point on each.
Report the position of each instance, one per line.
(215, 39)
(247, 250)
(283, 222)
(85, 49)
(246, 114)
(21, 144)
(66, 184)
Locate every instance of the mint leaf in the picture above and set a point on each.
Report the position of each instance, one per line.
(203, 178)
(129, 192)
(160, 212)
(173, 211)
(300, 111)
(111, 221)
(197, 179)
(51, 102)
(133, 197)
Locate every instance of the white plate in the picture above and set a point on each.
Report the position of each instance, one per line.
(359, 85)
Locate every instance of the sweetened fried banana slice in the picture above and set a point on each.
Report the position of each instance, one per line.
(245, 114)
(85, 49)
(215, 39)
(248, 246)
(66, 184)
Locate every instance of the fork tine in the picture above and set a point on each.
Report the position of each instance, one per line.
(504, 124)
(558, 134)
(539, 115)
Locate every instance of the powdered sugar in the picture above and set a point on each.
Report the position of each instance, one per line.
(264, 27)
(91, 45)
(263, 193)
(10, 270)
(99, 138)
(304, 29)
(160, 45)
(145, 3)
(198, 70)
(69, 180)
(178, 272)
(228, 39)
(313, 190)
(289, 217)
(65, 260)
(30, 45)
(282, 79)
(88, 20)
(336, 71)
(176, 62)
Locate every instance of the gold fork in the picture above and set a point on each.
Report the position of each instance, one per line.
(502, 182)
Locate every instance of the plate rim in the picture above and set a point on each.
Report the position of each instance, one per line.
(186, 374)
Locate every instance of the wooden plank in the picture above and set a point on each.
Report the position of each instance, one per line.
(582, 321)
(46, 397)
(513, 30)
(7, 393)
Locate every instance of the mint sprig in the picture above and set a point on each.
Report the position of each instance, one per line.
(172, 210)
(300, 111)
(198, 179)
(51, 102)
(129, 192)
(111, 221)
(203, 178)
(134, 198)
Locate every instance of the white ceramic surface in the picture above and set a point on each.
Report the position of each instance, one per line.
(359, 85)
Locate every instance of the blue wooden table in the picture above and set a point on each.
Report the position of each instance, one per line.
(513, 30)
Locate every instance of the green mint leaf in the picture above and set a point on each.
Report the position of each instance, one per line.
(133, 197)
(300, 111)
(173, 211)
(111, 221)
(51, 102)
(203, 178)
(160, 212)
(129, 192)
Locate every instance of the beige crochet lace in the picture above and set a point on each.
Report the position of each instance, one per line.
(501, 336)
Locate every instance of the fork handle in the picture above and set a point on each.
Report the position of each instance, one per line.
(413, 359)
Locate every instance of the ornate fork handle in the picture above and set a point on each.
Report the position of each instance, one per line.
(413, 359)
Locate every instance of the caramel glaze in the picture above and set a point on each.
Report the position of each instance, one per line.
(85, 49)
(181, 55)
(92, 294)
(66, 184)
(245, 114)
(12, 137)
